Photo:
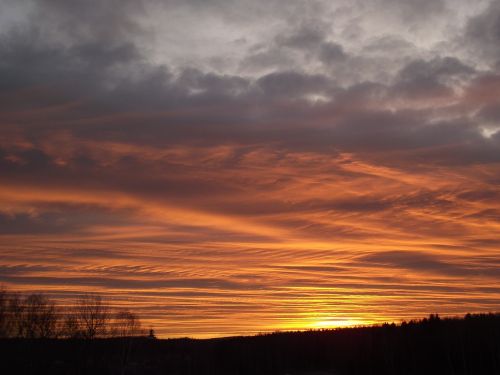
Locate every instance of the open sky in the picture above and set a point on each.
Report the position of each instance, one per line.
(234, 167)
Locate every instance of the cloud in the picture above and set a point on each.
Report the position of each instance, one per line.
(482, 34)
(292, 84)
(427, 263)
(251, 159)
(118, 283)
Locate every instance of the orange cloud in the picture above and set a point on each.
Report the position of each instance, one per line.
(291, 240)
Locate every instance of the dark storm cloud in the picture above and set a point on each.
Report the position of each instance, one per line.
(313, 41)
(88, 21)
(96, 74)
(331, 53)
(291, 84)
(482, 33)
(304, 38)
(422, 78)
(228, 102)
(60, 74)
(435, 69)
(490, 113)
(295, 48)
(390, 44)
(413, 10)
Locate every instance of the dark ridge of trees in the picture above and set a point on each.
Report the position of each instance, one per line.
(35, 316)
(434, 345)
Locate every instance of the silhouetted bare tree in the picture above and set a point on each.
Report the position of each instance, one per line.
(4, 314)
(39, 317)
(70, 327)
(126, 324)
(15, 311)
(36, 316)
(92, 316)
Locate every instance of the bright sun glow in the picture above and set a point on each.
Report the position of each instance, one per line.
(336, 323)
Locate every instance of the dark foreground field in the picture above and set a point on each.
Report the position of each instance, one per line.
(432, 346)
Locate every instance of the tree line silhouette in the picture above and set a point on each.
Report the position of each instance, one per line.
(36, 316)
(446, 346)
(88, 337)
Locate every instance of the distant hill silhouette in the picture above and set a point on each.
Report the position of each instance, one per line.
(468, 345)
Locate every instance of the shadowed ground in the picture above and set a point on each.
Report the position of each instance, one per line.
(443, 346)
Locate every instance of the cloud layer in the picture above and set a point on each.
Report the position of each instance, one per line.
(230, 169)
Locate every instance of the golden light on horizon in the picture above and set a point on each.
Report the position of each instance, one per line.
(338, 323)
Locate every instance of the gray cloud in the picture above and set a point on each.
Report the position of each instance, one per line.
(482, 33)
(421, 78)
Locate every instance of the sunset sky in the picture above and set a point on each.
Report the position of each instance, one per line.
(235, 167)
